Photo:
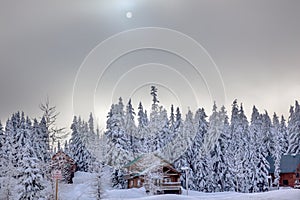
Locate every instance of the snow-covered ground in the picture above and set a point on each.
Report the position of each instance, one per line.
(135, 194)
(84, 189)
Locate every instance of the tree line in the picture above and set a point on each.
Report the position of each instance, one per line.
(223, 153)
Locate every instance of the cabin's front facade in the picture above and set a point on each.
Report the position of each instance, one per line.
(289, 170)
(153, 173)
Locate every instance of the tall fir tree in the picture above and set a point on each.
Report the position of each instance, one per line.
(142, 129)
(2, 151)
(77, 149)
(294, 130)
(277, 147)
(285, 137)
(118, 152)
(237, 147)
(130, 128)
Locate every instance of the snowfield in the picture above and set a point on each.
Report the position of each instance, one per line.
(84, 189)
(135, 194)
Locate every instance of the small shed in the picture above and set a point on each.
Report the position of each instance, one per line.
(61, 161)
(289, 169)
(153, 173)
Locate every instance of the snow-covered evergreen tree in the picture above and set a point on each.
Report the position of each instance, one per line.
(31, 183)
(284, 133)
(142, 130)
(91, 123)
(8, 172)
(238, 152)
(175, 142)
(41, 140)
(77, 149)
(277, 148)
(192, 134)
(118, 179)
(130, 128)
(183, 142)
(2, 151)
(153, 139)
(23, 175)
(162, 137)
(172, 119)
(118, 152)
(294, 130)
(216, 145)
(260, 135)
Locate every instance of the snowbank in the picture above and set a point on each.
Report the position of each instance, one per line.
(83, 187)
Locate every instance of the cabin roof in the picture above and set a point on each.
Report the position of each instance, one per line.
(288, 163)
(133, 161)
(147, 162)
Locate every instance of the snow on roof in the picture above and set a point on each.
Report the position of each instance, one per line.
(146, 163)
(288, 163)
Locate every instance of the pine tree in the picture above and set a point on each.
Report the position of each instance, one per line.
(162, 137)
(262, 153)
(294, 130)
(284, 133)
(41, 140)
(200, 158)
(153, 140)
(142, 129)
(8, 171)
(238, 152)
(226, 176)
(2, 151)
(255, 133)
(154, 95)
(172, 119)
(183, 145)
(118, 179)
(78, 150)
(193, 157)
(277, 148)
(50, 116)
(31, 183)
(130, 127)
(91, 124)
(118, 153)
(175, 142)
(216, 147)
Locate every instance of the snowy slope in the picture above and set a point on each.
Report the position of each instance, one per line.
(84, 189)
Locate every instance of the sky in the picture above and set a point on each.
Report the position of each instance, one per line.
(84, 55)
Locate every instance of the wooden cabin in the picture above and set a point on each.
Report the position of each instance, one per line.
(61, 161)
(290, 170)
(153, 173)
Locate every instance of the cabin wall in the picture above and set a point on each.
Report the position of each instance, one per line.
(287, 179)
(136, 182)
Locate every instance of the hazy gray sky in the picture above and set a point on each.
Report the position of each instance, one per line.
(254, 47)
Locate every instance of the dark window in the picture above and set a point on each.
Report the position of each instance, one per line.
(285, 182)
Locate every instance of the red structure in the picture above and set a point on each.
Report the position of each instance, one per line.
(290, 170)
(61, 161)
